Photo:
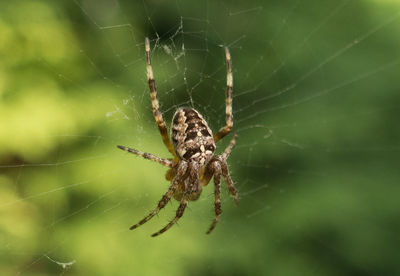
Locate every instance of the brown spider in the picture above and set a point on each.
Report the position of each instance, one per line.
(192, 147)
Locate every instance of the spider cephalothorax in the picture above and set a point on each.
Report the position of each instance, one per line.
(193, 147)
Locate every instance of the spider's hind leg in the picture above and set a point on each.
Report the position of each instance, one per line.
(228, 100)
(154, 101)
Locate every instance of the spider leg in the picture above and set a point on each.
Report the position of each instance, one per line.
(191, 189)
(217, 195)
(154, 101)
(228, 102)
(161, 204)
(229, 182)
(166, 197)
(229, 148)
(149, 156)
(179, 214)
(225, 170)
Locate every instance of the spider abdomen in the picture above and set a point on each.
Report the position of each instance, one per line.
(191, 137)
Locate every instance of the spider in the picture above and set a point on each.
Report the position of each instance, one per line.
(192, 147)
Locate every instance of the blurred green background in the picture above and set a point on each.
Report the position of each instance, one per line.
(316, 107)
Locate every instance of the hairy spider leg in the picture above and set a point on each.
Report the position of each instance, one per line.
(217, 194)
(154, 101)
(192, 188)
(228, 180)
(225, 170)
(179, 214)
(228, 101)
(181, 171)
(207, 173)
(229, 148)
(165, 162)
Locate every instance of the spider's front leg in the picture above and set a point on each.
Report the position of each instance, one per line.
(181, 172)
(229, 182)
(192, 190)
(225, 169)
(179, 214)
(218, 167)
(215, 167)
(165, 162)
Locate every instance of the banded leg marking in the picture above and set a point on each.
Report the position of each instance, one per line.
(149, 156)
(154, 101)
(217, 196)
(228, 101)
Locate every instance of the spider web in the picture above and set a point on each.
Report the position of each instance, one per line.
(315, 109)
